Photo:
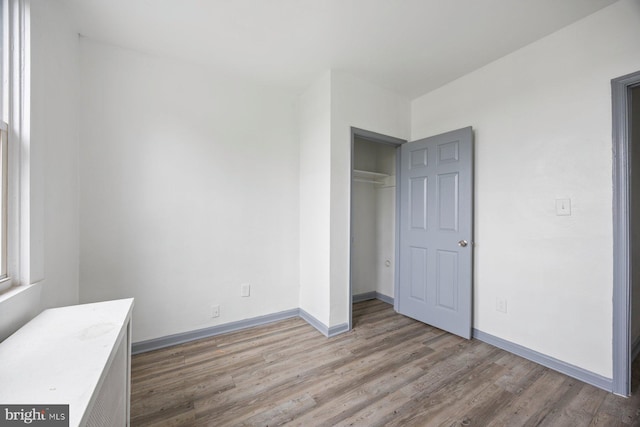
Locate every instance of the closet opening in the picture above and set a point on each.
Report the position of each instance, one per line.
(374, 160)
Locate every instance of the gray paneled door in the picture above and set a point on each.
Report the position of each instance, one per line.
(436, 231)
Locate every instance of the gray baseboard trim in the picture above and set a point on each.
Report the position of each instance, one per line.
(384, 298)
(184, 337)
(635, 349)
(372, 295)
(181, 338)
(364, 296)
(338, 329)
(548, 361)
(321, 327)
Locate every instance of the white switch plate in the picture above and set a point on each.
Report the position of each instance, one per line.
(563, 207)
(215, 311)
(245, 290)
(501, 305)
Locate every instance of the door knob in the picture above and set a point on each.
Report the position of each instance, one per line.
(463, 243)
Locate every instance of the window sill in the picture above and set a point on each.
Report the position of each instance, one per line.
(5, 285)
(12, 291)
(18, 305)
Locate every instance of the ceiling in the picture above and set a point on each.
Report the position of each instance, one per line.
(410, 46)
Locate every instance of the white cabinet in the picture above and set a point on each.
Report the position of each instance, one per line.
(78, 355)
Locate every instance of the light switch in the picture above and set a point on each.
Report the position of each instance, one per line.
(245, 290)
(563, 207)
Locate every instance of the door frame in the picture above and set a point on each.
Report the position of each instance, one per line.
(379, 139)
(620, 96)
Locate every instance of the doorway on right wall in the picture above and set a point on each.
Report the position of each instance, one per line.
(634, 226)
(626, 230)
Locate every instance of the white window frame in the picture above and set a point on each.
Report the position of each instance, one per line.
(16, 112)
(5, 279)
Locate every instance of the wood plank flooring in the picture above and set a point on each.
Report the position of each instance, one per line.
(389, 370)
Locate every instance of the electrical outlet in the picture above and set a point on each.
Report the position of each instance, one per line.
(215, 311)
(563, 207)
(501, 305)
(245, 290)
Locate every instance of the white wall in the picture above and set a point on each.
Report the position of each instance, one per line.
(328, 109)
(364, 213)
(386, 222)
(314, 112)
(54, 157)
(542, 126)
(354, 103)
(53, 188)
(189, 188)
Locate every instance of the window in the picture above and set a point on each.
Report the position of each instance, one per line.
(14, 132)
(4, 139)
(3, 198)
(4, 57)
(4, 163)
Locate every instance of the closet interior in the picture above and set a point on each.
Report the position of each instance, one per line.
(373, 220)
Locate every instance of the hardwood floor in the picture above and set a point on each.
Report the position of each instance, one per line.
(389, 370)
